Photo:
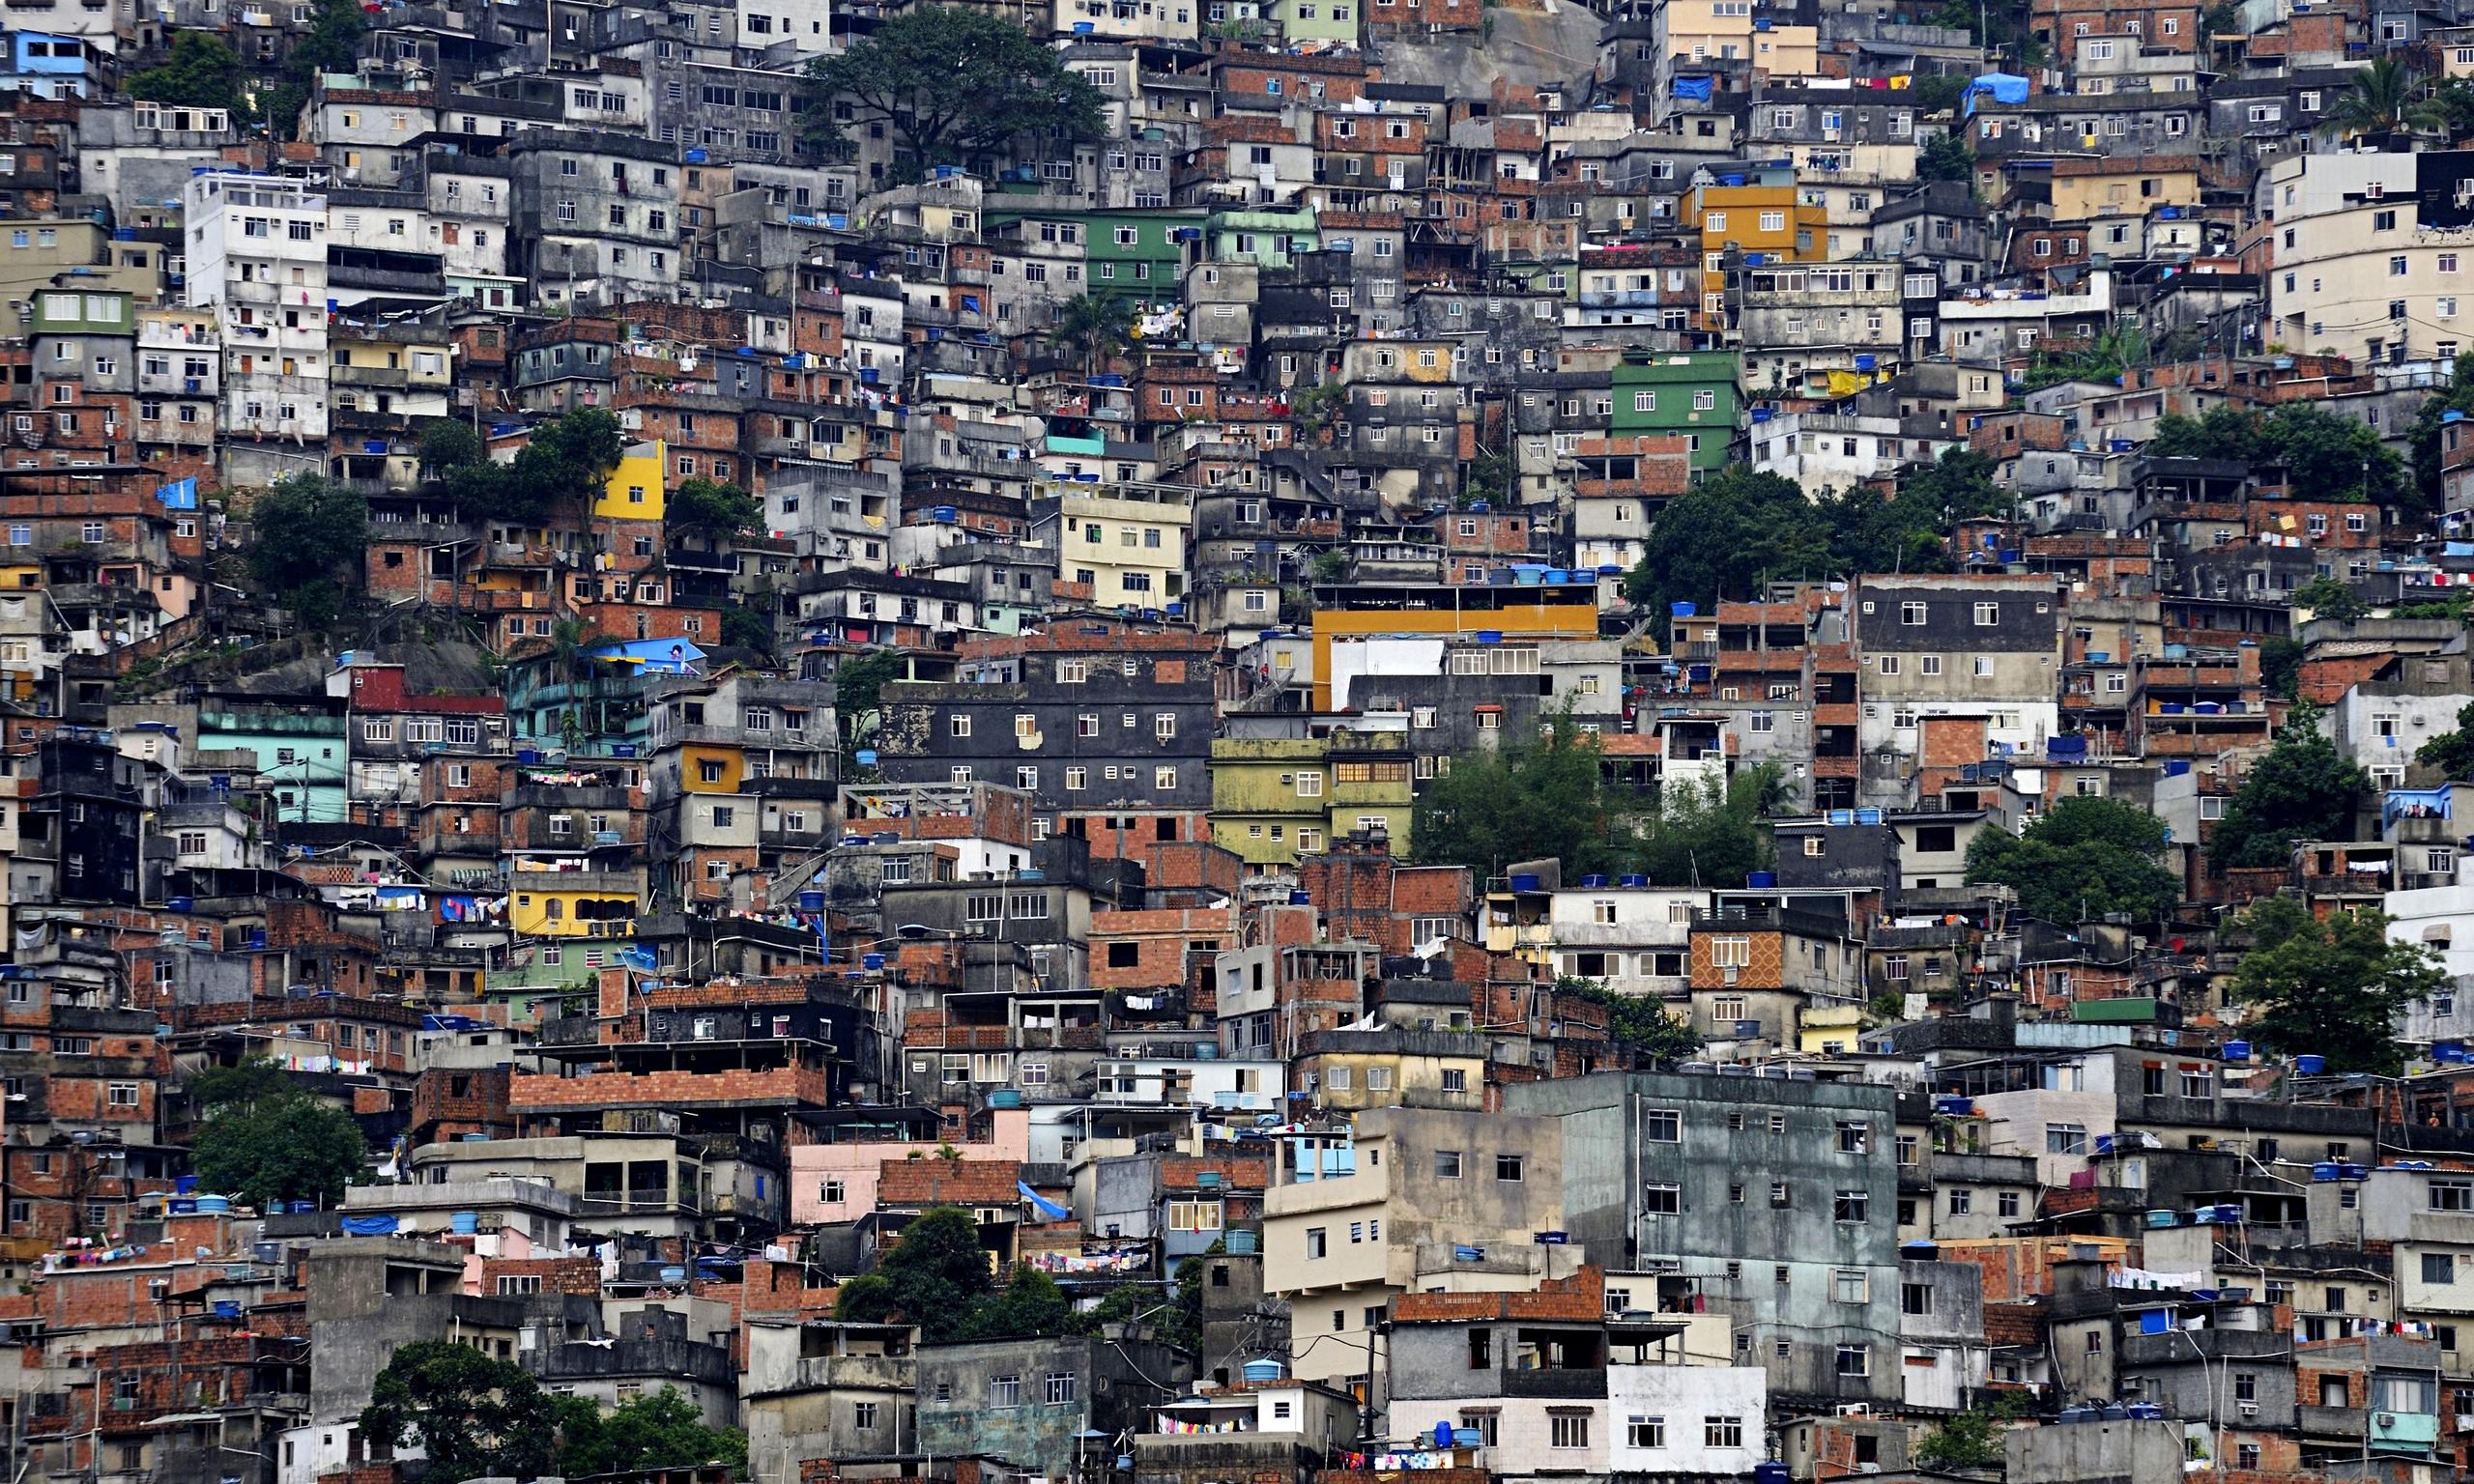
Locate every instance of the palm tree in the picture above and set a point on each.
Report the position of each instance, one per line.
(2387, 99)
(1092, 324)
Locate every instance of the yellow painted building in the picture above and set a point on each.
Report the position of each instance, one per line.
(1768, 219)
(1725, 30)
(573, 904)
(634, 491)
(705, 767)
(1462, 614)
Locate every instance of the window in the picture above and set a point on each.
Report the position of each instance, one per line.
(1662, 1125)
(1849, 1285)
(1854, 1138)
(1850, 1205)
(2072, 1139)
(2439, 1268)
(1662, 1200)
(1005, 1391)
(1447, 1164)
(1061, 1388)
(2452, 1195)
(1568, 1430)
(1854, 1360)
(1645, 1433)
(1317, 1243)
(1722, 1432)
(1508, 1168)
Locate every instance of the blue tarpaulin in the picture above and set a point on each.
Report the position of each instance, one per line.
(2004, 87)
(1042, 1204)
(368, 1226)
(1698, 89)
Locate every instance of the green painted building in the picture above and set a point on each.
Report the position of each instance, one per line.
(1273, 798)
(1302, 22)
(1690, 394)
(1266, 238)
(299, 749)
(1134, 253)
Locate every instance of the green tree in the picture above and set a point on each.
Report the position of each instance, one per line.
(2332, 986)
(1966, 1440)
(1945, 157)
(1093, 326)
(558, 474)
(2106, 357)
(2280, 667)
(244, 1081)
(2302, 790)
(332, 44)
(747, 627)
(931, 1278)
(951, 83)
(202, 72)
(306, 539)
(2387, 99)
(858, 688)
(1029, 1306)
(1724, 538)
(2081, 859)
(1909, 530)
(448, 445)
(2329, 597)
(1635, 1021)
(1935, 92)
(475, 1416)
(2331, 456)
(1527, 800)
(712, 511)
(1176, 1320)
(279, 1146)
(660, 1431)
(2452, 751)
(1708, 831)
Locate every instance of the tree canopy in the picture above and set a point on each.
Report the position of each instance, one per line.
(662, 1430)
(711, 510)
(2302, 790)
(1705, 831)
(2330, 456)
(2452, 753)
(2387, 99)
(2332, 986)
(473, 1415)
(476, 1415)
(937, 1277)
(1635, 1021)
(859, 685)
(448, 445)
(931, 1278)
(951, 83)
(202, 72)
(1731, 533)
(2081, 859)
(560, 471)
(1724, 538)
(306, 539)
(1945, 157)
(267, 1141)
(1527, 800)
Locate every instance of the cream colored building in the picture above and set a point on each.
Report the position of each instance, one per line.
(2351, 272)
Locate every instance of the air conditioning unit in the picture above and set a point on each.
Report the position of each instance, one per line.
(2250, 1409)
(2384, 1420)
(1856, 1409)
